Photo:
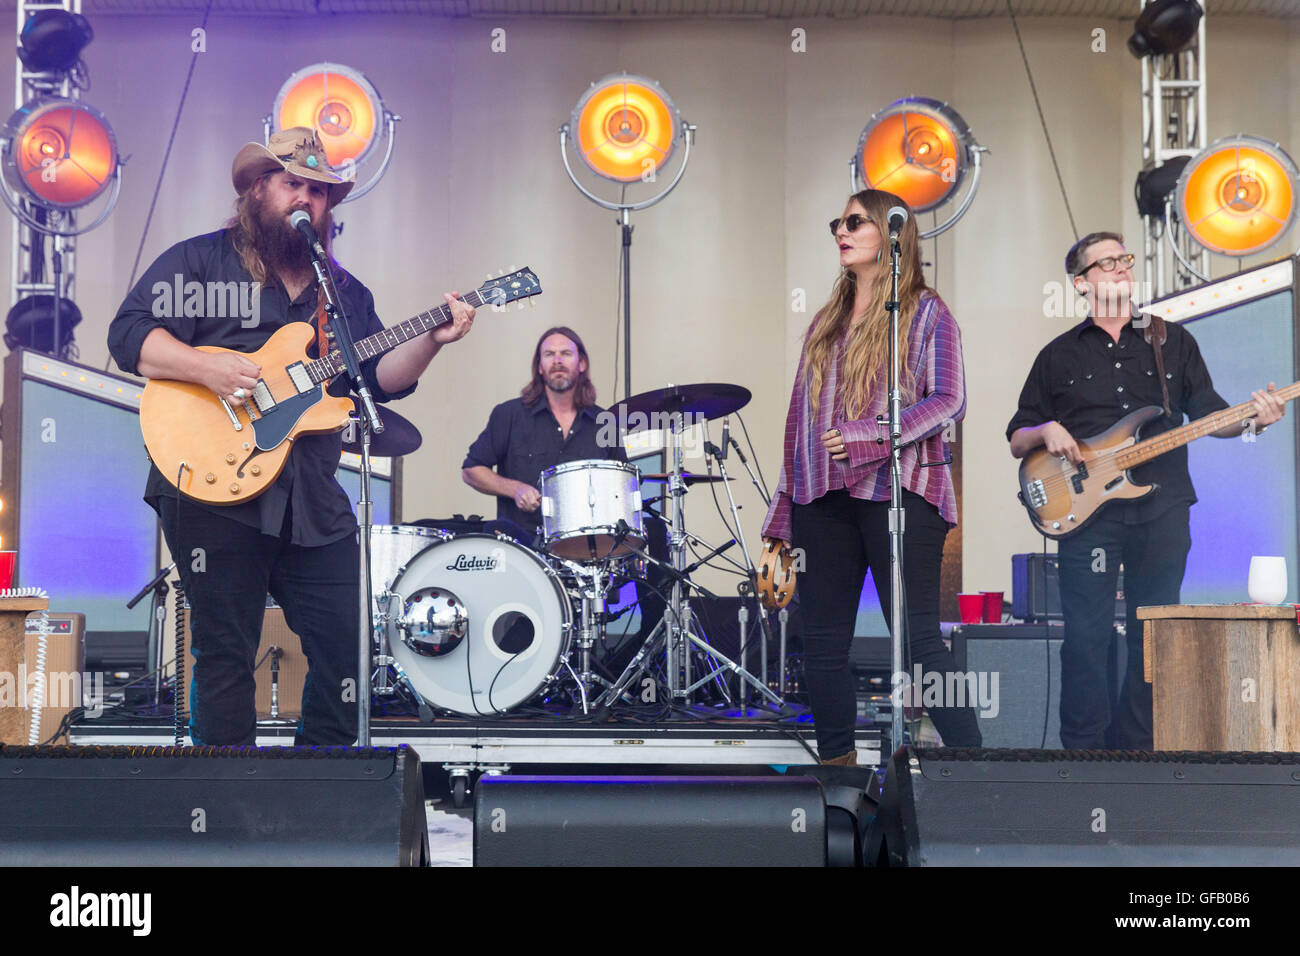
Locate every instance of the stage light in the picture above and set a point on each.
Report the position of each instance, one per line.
(51, 41)
(1165, 26)
(625, 125)
(345, 110)
(60, 153)
(1237, 196)
(625, 128)
(922, 151)
(1155, 185)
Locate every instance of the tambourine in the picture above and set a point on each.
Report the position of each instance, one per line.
(776, 576)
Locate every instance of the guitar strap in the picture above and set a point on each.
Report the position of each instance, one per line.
(323, 333)
(1155, 335)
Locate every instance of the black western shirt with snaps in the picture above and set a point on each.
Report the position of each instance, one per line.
(319, 510)
(521, 441)
(1087, 381)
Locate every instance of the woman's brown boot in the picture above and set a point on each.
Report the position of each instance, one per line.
(849, 759)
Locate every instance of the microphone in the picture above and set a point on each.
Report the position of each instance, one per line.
(736, 445)
(302, 222)
(897, 216)
(726, 438)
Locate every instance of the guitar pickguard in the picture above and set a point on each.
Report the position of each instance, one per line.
(274, 426)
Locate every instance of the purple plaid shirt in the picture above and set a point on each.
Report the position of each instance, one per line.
(807, 470)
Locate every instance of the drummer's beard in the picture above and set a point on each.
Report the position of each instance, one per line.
(559, 382)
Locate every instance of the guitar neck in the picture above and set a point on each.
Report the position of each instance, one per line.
(1144, 451)
(324, 369)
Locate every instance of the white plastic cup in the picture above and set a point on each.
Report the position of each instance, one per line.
(1268, 583)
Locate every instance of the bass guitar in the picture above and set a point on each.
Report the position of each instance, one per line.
(224, 455)
(1062, 497)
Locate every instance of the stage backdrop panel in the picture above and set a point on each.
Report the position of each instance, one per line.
(1246, 491)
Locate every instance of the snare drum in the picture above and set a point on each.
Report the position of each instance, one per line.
(583, 503)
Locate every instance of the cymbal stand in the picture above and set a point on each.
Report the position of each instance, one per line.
(679, 628)
(748, 588)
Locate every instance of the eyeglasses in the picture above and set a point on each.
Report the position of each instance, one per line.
(852, 223)
(1109, 262)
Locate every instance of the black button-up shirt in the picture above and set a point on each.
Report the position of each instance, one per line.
(1087, 382)
(320, 510)
(521, 441)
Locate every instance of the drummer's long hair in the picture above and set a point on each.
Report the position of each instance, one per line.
(584, 392)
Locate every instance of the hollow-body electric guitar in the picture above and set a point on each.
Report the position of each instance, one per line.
(1062, 497)
(223, 454)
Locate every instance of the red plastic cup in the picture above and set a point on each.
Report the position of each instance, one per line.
(971, 607)
(7, 568)
(992, 606)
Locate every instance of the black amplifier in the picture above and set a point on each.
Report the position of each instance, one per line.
(1029, 574)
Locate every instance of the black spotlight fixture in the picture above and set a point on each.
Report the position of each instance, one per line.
(1156, 184)
(36, 323)
(1166, 26)
(52, 41)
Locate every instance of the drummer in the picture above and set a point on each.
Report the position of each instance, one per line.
(554, 420)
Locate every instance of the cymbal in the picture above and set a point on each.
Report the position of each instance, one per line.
(707, 400)
(398, 438)
(688, 477)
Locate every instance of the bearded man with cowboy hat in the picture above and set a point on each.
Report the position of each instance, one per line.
(297, 540)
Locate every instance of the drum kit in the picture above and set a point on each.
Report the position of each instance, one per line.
(481, 626)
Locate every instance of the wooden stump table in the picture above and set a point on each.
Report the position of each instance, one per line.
(13, 617)
(1224, 677)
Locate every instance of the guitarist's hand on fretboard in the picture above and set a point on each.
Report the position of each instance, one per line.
(462, 320)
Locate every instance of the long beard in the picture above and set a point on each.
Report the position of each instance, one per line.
(282, 248)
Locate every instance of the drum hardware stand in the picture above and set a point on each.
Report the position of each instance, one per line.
(370, 423)
(383, 661)
(678, 627)
(748, 589)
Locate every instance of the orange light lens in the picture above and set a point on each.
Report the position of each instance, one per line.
(915, 148)
(624, 127)
(63, 152)
(1238, 196)
(336, 101)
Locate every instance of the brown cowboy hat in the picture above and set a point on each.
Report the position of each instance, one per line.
(297, 150)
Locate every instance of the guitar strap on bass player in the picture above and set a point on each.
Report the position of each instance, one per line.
(1155, 335)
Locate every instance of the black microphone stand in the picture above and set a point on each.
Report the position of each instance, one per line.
(369, 423)
(896, 514)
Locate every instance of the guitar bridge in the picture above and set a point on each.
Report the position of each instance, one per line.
(1037, 496)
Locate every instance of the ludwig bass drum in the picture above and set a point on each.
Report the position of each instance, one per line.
(479, 623)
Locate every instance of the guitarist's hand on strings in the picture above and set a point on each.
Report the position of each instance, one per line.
(1060, 442)
(231, 376)
(462, 320)
(1269, 409)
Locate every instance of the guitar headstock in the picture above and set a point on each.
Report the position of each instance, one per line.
(501, 291)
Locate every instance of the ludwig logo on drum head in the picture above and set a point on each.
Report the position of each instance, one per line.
(464, 562)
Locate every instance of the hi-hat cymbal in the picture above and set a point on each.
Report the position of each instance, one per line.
(398, 438)
(688, 477)
(707, 400)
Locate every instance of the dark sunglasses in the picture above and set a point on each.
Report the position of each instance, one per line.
(1109, 262)
(852, 223)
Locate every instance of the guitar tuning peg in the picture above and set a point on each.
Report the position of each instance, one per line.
(513, 269)
(532, 303)
(488, 277)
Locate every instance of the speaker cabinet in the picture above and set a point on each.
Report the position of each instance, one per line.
(211, 806)
(649, 821)
(292, 663)
(1028, 672)
(950, 807)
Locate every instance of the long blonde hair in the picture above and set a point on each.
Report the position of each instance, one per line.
(868, 346)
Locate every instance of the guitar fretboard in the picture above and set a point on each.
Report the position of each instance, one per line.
(324, 369)
(1144, 451)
